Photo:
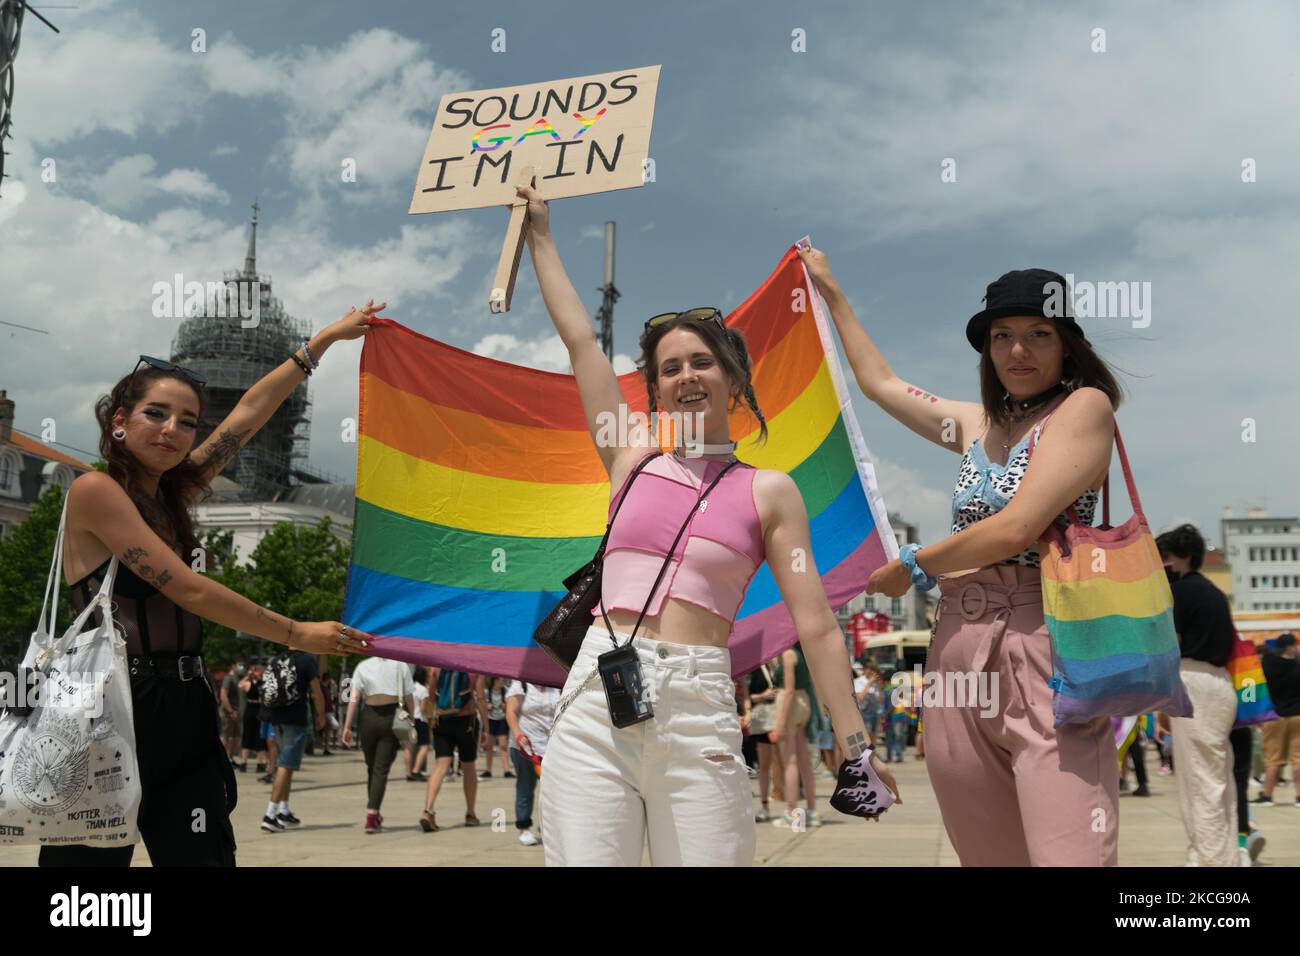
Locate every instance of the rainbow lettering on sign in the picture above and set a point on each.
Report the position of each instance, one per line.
(587, 123)
(545, 127)
(495, 140)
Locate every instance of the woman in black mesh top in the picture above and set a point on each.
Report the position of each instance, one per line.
(138, 511)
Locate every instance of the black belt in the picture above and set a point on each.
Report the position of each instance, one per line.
(181, 668)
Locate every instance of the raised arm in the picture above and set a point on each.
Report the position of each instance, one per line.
(98, 504)
(259, 403)
(597, 383)
(946, 422)
(789, 554)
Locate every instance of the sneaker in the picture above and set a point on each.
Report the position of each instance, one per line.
(288, 820)
(241, 767)
(271, 825)
(1123, 785)
(785, 821)
(811, 819)
(327, 752)
(266, 778)
(429, 822)
(753, 772)
(485, 775)
(528, 839)
(1163, 771)
(1140, 792)
(763, 815)
(471, 820)
(261, 768)
(372, 822)
(509, 775)
(1243, 857)
(1255, 845)
(1263, 800)
(411, 778)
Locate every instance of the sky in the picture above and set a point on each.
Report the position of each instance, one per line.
(927, 148)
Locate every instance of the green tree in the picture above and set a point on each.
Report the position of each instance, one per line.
(25, 557)
(299, 572)
(220, 645)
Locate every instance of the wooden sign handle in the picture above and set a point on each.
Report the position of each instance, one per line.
(503, 286)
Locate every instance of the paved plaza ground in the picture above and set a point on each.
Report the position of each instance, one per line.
(329, 796)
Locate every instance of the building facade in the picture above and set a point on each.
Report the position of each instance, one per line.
(27, 468)
(1264, 554)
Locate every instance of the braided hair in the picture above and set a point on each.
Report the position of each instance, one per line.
(728, 347)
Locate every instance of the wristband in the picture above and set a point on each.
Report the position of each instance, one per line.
(300, 363)
(907, 555)
(306, 350)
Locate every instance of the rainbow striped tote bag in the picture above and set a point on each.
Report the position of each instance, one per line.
(1254, 705)
(1109, 612)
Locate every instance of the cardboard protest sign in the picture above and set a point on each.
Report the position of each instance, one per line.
(583, 135)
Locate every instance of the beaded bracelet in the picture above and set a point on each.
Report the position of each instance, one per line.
(306, 350)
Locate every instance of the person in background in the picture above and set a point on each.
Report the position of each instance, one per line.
(758, 718)
(378, 686)
(457, 696)
(529, 710)
(1280, 739)
(232, 707)
(291, 722)
(497, 731)
(1203, 621)
(330, 692)
(252, 741)
(420, 718)
(791, 737)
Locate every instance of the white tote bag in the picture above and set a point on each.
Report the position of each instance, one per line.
(68, 769)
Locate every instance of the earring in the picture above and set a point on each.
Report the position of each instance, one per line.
(119, 433)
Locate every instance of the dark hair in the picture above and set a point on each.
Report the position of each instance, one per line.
(179, 488)
(727, 347)
(421, 675)
(1081, 367)
(1183, 542)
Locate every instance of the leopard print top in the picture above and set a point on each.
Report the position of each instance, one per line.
(983, 489)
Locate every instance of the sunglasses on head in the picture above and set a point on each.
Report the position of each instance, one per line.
(165, 366)
(703, 314)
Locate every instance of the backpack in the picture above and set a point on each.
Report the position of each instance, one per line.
(280, 686)
(454, 688)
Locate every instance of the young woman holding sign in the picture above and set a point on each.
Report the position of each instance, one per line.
(678, 777)
(1013, 790)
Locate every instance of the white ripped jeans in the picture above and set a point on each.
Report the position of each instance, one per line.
(678, 779)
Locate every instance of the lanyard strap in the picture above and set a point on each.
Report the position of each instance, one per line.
(667, 558)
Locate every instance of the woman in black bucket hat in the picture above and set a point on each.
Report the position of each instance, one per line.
(1013, 790)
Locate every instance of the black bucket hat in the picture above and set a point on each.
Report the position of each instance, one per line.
(1020, 292)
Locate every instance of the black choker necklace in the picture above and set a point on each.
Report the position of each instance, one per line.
(1022, 408)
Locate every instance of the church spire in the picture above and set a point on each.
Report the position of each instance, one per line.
(250, 267)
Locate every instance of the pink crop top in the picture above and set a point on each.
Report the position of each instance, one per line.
(717, 556)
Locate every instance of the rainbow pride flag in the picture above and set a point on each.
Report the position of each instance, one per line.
(1254, 704)
(479, 489)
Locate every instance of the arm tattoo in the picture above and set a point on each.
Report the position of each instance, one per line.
(162, 580)
(132, 556)
(857, 742)
(921, 394)
(224, 448)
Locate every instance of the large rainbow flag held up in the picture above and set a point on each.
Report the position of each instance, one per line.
(479, 488)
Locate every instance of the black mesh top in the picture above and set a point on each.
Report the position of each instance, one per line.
(154, 626)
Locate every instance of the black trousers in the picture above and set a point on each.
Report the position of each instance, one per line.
(187, 784)
(379, 745)
(1242, 750)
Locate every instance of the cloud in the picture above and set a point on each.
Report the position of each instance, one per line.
(1049, 137)
(132, 180)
